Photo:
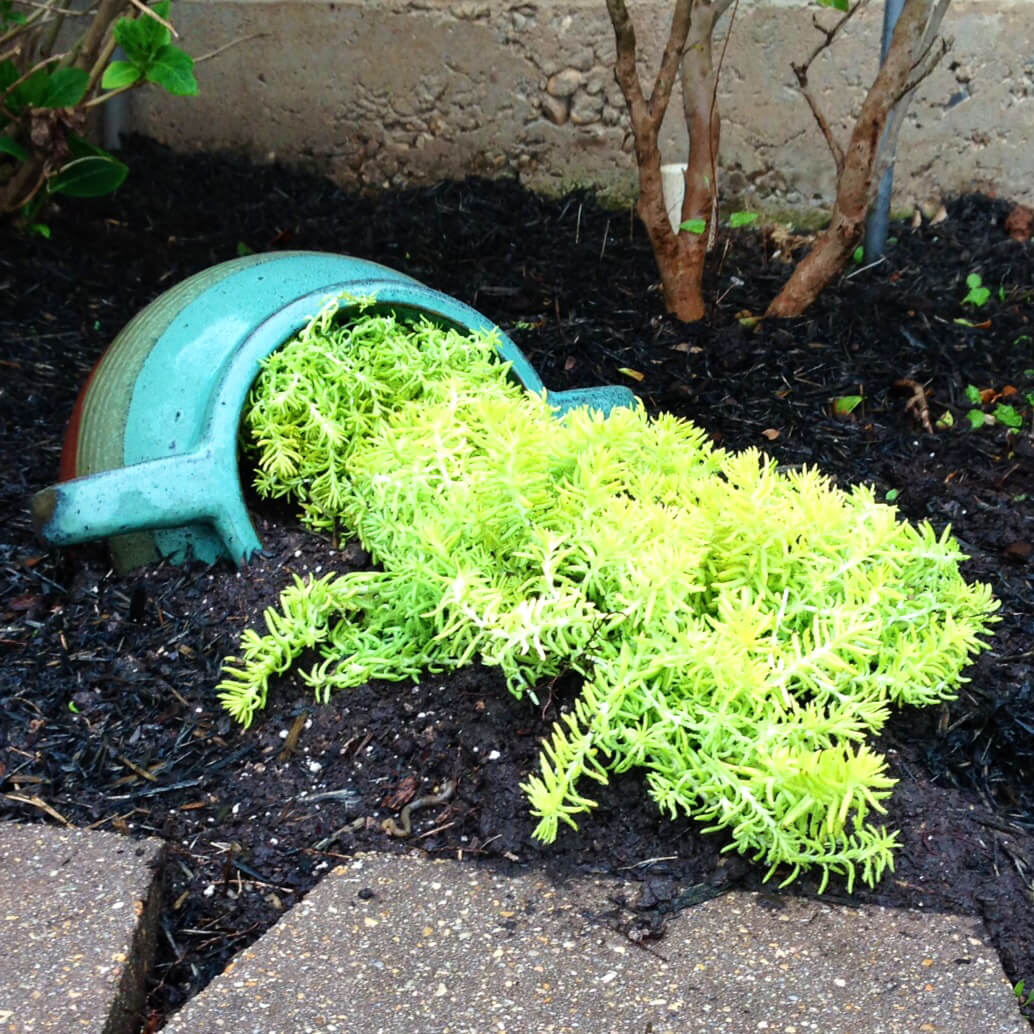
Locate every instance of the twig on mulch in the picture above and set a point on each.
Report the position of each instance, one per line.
(916, 406)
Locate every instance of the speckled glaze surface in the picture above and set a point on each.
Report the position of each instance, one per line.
(150, 457)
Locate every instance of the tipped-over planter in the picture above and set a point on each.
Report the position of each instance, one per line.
(150, 455)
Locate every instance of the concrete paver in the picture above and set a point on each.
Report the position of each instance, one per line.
(407, 945)
(78, 910)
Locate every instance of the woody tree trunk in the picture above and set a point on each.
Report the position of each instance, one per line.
(680, 256)
(913, 54)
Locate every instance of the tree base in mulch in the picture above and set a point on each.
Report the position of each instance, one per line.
(107, 687)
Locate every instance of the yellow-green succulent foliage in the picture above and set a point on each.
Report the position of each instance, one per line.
(740, 631)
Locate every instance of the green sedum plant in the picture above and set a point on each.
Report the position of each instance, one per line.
(740, 631)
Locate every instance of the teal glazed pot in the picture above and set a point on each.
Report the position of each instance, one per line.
(150, 454)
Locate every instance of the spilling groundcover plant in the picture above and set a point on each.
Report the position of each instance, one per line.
(740, 631)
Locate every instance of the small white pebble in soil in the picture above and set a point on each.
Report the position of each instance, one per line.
(209, 890)
(273, 841)
(283, 734)
(494, 755)
(236, 809)
(315, 766)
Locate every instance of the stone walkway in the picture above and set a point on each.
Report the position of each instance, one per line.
(401, 944)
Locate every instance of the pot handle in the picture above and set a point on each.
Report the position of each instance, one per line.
(164, 493)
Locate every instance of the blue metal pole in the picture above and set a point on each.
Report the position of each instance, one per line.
(878, 222)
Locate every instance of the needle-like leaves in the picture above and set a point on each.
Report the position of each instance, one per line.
(740, 631)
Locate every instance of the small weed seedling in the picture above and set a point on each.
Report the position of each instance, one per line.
(737, 221)
(1023, 996)
(978, 294)
(1008, 414)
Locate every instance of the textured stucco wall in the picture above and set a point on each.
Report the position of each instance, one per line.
(390, 92)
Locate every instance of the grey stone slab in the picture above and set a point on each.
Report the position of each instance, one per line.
(406, 945)
(78, 910)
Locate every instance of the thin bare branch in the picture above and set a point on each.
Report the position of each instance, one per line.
(933, 25)
(97, 72)
(29, 25)
(830, 34)
(801, 72)
(49, 8)
(232, 43)
(719, 9)
(107, 12)
(28, 73)
(149, 12)
(820, 119)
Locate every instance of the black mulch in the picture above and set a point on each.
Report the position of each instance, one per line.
(108, 717)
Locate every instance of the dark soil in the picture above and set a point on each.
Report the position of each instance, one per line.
(108, 716)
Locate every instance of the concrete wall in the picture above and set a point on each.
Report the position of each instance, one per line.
(391, 92)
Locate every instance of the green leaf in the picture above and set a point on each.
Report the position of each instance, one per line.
(945, 421)
(93, 176)
(119, 74)
(173, 70)
(846, 404)
(839, 5)
(977, 418)
(973, 395)
(978, 294)
(64, 88)
(9, 16)
(61, 88)
(8, 73)
(1008, 415)
(80, 147)
(740, 219)
(696, 226)
(30, 93)
(8, 145)
(141, 38)
(892, 494)
(858, 254)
